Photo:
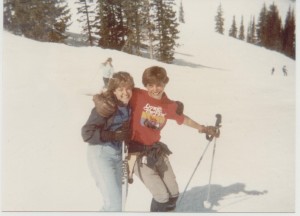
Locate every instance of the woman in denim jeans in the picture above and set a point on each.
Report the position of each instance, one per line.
(105, 130)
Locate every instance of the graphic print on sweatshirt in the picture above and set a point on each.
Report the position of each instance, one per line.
(152, 117)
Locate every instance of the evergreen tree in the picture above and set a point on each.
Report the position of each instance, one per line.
(242, 30)
(150, 29)
(135, 12)
(233, 29)
(253, 32)
(42, 20)
(86, 14)
(112, 29)
(63, 18)
(8, 15)
(261, 28)
(165, 33)
(219, 20)
(181, 13)
(251, 35)
(288, 36)
(249, 39)
(273, 29)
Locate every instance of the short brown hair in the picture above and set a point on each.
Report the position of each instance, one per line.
(120, 79)
(155, 75)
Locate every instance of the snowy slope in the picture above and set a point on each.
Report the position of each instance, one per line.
(45, 103)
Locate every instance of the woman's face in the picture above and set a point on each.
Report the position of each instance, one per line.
(156, 90)
(123, 94)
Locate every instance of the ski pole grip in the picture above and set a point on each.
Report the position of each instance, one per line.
(219, 120)
(217, 124)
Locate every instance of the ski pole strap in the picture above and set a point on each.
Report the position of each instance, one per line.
(217, 125)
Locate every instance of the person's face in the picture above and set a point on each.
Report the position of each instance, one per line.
(156, 90)
(123, 94)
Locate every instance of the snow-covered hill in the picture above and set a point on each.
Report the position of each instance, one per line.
(45, 103)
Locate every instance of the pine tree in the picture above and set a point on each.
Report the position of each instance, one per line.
(233, 29)
(261, 27)
(251, 33)
(86, 17)
(181, 13)
(219, 20)
(150, 28)
(8, 15)
(42, 20)
(242, 30)
(288, 36)
(273, 29)
(112, 29)
(135, 13)
(63, 18)
(165, 34)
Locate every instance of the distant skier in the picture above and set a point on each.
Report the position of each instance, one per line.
(105, 130)
(107, 71)
(273, 70)
(284, 70)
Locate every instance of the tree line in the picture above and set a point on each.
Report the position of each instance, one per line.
(268, 32)
(42, 20)
(139, 27)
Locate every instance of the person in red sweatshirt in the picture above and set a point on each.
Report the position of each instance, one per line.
(151, 109)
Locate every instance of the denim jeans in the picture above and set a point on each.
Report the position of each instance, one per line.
(105, 164)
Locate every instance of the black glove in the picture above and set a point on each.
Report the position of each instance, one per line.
(118, 135)
(105, 104)
(122, 135)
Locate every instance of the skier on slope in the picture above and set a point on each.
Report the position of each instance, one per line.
(107, 71)
(284, 70)
(104, 131)
(151, 109)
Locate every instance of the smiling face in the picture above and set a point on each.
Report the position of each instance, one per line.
(123, 93)
(156, 90)
(155, 80)
(121, 85)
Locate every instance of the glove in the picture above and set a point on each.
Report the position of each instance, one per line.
(119, 135)
(105, 104)
(122, 135)
(211, 131)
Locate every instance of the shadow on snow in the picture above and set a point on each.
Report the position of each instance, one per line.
(193, 200)
(182, 62)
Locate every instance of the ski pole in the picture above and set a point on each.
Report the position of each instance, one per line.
(124, 175)
(206, 203)
(209, 138)
(194, 172)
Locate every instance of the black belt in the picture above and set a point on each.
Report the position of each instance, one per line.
(152, 152)
(134, 147)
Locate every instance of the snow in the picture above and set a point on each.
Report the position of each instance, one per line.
(45, 102)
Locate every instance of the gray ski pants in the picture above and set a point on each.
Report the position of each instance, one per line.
(160, 180)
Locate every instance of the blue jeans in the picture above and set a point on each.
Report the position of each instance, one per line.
(105, 163)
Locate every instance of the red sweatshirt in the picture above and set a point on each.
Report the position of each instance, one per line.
(149, 116)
